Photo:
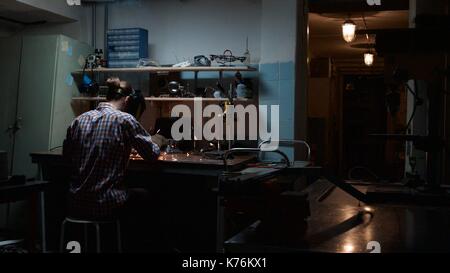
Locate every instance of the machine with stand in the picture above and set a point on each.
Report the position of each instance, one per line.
(420, 55)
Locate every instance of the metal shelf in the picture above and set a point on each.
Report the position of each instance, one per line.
(156, 70)
(154, 99)
(172, 69)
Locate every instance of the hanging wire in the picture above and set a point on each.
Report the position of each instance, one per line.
(365, 26)
(417, 102)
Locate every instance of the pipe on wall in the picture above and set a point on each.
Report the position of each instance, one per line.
(106, 27)
(94, 25)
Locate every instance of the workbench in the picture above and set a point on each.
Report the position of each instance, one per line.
(167, 163)
(30, 191)
(185, 183)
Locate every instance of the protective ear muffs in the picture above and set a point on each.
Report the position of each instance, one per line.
(136, 105)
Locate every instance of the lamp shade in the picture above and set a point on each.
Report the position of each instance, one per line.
(369, 58)
(349, 31)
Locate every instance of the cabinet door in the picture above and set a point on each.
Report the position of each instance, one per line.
(70, 57)
(36, 88)
(9, 76)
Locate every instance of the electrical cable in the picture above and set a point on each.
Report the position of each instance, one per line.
(410, 90)
(365, 25)
(19, 82)
(417, 102)
(413, 114)
(54, 148)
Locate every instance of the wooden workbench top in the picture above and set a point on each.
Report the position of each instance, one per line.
(181, 160)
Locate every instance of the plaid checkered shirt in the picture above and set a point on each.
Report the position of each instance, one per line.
(98, 145)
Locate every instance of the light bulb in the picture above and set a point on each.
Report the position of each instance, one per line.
(349, 31)
(349, 248)
(368, 58)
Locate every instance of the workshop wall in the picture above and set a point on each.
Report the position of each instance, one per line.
(319, 117)
(277, 66)
(178, 29)
(271, 29)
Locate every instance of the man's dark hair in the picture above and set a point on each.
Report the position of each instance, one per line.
(117, 89)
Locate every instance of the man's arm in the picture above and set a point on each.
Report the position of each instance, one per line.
(142, 141)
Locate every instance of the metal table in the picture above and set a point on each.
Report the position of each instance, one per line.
(10, 193)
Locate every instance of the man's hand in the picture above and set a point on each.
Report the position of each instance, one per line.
(160, 140)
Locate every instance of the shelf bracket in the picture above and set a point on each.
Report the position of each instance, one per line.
(195, 81)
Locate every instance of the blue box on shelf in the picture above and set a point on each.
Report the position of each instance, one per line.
(123, 63)
(126, 46)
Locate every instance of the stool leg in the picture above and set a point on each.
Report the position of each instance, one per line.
(86, 250)
(97, 229)
(62, 239)
(119, 238)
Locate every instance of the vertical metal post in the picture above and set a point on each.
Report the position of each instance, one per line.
(62, 238)
(220, 220)
(119, 237)
(86, 237)
(43, 224)
(220, 225)
(94, 25)
(195, 81)
(17, 119)
(40, 177)
(106, 27)
(97, 230)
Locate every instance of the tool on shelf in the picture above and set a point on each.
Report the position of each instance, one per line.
(178, 90)
(227, 58)
(202, 61)
(247, 55)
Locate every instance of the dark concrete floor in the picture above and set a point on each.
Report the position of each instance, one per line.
(341, 224)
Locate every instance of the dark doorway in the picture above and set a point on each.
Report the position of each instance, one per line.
(365, 113)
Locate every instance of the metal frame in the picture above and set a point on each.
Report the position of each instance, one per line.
(220, 198)
(252, 150)
(308, 147)
(348, 188)
(97, 225)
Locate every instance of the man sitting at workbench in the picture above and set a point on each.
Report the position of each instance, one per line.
(98, 145)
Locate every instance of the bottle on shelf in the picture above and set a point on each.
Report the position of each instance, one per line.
(247, 56)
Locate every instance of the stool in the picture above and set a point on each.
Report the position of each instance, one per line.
(97, 225)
